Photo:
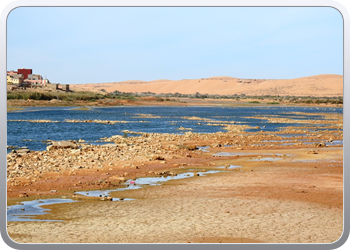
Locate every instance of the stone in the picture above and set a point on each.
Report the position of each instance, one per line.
(21, 151)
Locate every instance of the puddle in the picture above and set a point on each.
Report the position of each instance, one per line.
(230, 167)
(141, 182)
(333, 143)
(287, 144)
(291, 135)
(275, 140)
(305, 160)
(30, 209)
(204, 149)
(266, 159)
(238, 153)
(293, 140)
(316, 160)
(232, 153)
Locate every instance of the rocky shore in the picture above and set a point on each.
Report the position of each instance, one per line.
(25, 167)
(291, 159)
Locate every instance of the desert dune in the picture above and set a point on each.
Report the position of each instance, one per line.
(326, 85)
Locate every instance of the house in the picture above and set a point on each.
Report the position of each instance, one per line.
(27, 79)
(36, 81)
(25, 72)
(15, 79)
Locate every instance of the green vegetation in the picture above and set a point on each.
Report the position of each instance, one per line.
(10, 109)
(117, 95)
(70, 96)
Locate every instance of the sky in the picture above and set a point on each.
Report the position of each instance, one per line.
(73, 45)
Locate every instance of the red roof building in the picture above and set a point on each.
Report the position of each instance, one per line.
(25, 72)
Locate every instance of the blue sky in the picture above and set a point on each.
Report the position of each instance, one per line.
(98, 44)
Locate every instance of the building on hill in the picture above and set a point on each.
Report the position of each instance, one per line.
(26, 78)
(25, 72)
(15, 79)
(36, 81)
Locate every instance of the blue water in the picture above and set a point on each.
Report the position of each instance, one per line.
(30, 209)
(144, 181)
(171, 119)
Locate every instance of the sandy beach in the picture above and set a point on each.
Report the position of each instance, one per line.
(285, 203)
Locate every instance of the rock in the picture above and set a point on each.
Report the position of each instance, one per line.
(158, 157)
(311, 152)
(21, 151)
(118, 178)
(191, 147)
(61, 144)
(110, 145)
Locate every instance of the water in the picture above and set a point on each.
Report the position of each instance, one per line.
(267, 159)
(230, 167)
(142, 182)
(204, 149)
(171, 118)
(30, 209)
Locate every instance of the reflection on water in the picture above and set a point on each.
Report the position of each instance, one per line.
(230, 167)
(142, 182)
(29, 209)
(266, 159)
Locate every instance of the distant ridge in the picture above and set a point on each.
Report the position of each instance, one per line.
(318, 85)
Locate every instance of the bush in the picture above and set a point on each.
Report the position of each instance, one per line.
(72, 96)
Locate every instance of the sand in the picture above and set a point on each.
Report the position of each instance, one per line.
(326, 85)
(282, 193)
(279, 202)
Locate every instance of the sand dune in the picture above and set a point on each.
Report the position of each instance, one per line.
(319, 85)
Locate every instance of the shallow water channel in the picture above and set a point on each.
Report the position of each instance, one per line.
(25, 211)
(28, 209)
(142, 182)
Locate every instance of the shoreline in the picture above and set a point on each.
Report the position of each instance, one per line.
(279, 187)
(13, 104)
(298, 194)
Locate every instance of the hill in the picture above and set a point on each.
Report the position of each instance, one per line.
(320, 85)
